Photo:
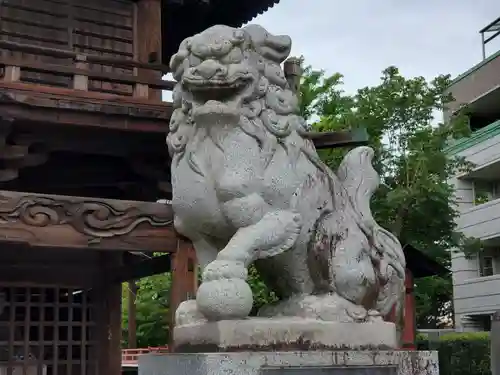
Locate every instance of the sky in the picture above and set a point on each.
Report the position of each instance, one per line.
(360, 38)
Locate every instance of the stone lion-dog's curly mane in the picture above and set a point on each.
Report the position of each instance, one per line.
(269, 114)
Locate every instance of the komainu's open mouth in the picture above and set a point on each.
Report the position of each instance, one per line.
(225, 91)
(214, 112)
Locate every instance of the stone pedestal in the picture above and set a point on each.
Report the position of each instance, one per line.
(283, 334)
(292, 363)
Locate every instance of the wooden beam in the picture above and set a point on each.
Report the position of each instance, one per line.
(70, 276)
(96, 59)
(350, 138)
(71, 107)
(85, 223)
(132, 316)
(139, 269)
(78, 69)
(21, 101)
(138, 147)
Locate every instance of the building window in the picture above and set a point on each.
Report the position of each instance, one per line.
(485, 191)
(487, 266)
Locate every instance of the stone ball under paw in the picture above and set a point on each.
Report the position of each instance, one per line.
(224, 299)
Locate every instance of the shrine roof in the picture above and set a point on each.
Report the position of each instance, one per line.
(181, 19)
(237, 13)
(421, 264)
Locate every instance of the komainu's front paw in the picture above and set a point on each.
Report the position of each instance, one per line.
(188, 313)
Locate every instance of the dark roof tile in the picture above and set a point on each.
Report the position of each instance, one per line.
(421, 264)
(182, 20)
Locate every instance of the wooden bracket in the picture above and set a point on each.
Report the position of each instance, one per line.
(349, 138)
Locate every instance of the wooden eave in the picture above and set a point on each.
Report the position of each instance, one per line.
(345, 138)
(422, 265)
(137, 266)
(181, 19)
(22, 101)
(26, 102)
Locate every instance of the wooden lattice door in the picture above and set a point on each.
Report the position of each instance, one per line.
(47, 331)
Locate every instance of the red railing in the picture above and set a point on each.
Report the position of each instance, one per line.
(130, 356)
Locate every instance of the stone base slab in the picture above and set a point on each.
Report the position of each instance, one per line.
(283, 334)
(292, 363)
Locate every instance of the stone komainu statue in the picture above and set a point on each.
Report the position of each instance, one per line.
(248, 187)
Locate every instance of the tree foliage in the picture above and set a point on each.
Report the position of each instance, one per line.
(262, 295)
(153, 307)
(152, 311)
(466, 353)
(416, 200)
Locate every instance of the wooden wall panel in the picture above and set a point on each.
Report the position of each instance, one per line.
(97, 27)
(148, 39)
(105, 28)
(37, 22)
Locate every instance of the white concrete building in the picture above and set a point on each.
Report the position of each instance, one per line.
(476, 281)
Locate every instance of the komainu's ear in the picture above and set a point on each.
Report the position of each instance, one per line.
(273, 47)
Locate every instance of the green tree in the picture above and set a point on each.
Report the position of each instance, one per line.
(262, 295)
(152, 311)
(152, 307)
(415, 200)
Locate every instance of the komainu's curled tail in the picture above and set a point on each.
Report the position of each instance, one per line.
(360, 181)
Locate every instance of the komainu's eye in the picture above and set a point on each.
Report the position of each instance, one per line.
(233, 57)
(239, 36)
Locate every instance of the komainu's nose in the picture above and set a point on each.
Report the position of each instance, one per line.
(208, 68)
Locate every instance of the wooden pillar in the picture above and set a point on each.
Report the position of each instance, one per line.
(132, 316)
(410, 326)
(147, 39)
(184, 277)
(109, 319)
(406, 324)
(293, 73)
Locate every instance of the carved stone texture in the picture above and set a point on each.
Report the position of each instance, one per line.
(249, 187)
(323, 362)
(282, 334)
(51, 220)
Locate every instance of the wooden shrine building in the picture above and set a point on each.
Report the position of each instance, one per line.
(83, 164)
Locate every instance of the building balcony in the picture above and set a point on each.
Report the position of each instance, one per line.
(482, 149)
(481, 221)
(478, 88)
(477, 296)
